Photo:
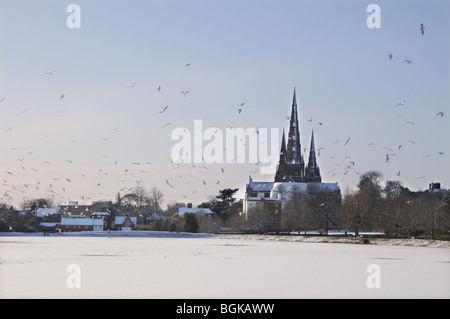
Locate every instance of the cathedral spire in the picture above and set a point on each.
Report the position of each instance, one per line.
(312, 170)
(283, 149)
(293, 151)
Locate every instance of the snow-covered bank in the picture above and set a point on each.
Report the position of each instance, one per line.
(286, 238)
(348, 240)
(141, 233)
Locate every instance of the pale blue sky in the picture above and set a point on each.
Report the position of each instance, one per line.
(251, 52)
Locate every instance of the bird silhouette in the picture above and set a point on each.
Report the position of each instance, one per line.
(401, 103)
(163, 109)
(422, 29)
(185, 93)
(348, 140)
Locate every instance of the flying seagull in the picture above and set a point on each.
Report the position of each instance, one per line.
(348, 140)
(132, 85)
(185, 92)
(441, 114)
(407, 61)
(163, 109)
(422, 28)
(390, 56)
(401, 103)
(169, 183)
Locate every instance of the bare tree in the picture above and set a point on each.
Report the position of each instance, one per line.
(33, 204)
(355, 210)
(173, 207)
(434, 216)
(156, 198)
(259, 217)
(410, 218)
(324, 206)
(297, 211)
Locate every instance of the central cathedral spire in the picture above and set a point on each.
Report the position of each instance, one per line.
(293, 151)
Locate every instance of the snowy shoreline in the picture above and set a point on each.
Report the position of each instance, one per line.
(264, 237)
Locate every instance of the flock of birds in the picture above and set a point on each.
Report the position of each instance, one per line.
(127, 177)
(347, 164)
(135, 174)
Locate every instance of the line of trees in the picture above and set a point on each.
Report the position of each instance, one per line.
(394, 209)
(375, 205)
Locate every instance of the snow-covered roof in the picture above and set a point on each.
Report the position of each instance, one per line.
(100, 213)
(303, 187)
(184, 210)
(48, 224)
(288, 187)
(81, 222)
(43, 212)
(120, 219)
(155, 216)
(261, 186)
(262, 199)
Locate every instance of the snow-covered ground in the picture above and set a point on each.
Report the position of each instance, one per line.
(209, 266)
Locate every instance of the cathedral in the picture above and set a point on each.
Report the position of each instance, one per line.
(269, 198)
(291, 167)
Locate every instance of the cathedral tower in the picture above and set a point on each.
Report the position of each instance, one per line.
(291, 167)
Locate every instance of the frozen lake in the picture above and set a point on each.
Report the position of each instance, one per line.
(216, 267)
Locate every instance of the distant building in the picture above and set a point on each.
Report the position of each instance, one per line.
(48, 214)
(436, 188)
(81, 224)
(268, 198)
(125, 223)
(48, 218)
(196, 211)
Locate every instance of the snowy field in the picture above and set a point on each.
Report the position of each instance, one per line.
(218, 267)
